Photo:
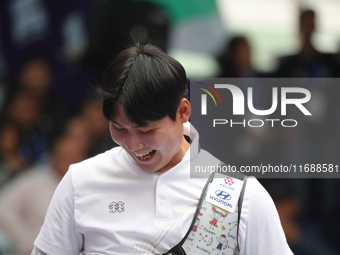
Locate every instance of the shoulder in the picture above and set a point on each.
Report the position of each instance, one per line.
(286, 64)
(31, 180)
(103, 170)
(257, 200)
(109, 161)
(254, 189)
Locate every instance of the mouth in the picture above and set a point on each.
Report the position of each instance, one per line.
(145, 155)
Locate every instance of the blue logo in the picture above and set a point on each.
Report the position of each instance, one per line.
(222, 194)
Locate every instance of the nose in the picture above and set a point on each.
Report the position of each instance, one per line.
(133, 142)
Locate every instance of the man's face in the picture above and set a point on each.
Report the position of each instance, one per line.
(158, 146)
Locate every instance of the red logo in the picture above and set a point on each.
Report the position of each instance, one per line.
(229, 181)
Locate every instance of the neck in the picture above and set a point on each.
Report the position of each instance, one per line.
(308, 49)
(182, 150)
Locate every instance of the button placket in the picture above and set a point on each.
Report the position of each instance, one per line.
(161, 211)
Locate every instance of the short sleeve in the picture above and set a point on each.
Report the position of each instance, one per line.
(260, 231)
(36, 251)
(58, 234)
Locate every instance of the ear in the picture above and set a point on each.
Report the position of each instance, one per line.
(184, 110)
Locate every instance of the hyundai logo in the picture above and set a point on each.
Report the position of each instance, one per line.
(222, 194)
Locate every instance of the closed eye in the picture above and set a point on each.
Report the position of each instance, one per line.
(147, 132)
(117, 128)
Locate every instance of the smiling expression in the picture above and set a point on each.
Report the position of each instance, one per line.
(157, 146)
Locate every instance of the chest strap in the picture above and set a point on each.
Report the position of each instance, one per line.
(214, 229)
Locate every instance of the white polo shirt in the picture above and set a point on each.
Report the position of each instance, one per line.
(107, 205)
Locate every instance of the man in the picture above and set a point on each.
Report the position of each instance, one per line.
(24, 201)
(139, 198)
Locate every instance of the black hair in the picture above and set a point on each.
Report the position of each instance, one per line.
(147, 82)
(306, 14)
(236, 41)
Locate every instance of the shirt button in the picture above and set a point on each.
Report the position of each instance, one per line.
(161, 202)
(162, 182)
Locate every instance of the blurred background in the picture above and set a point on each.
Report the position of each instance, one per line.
(52, 54)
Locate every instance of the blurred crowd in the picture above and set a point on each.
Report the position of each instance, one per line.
(52, 54)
